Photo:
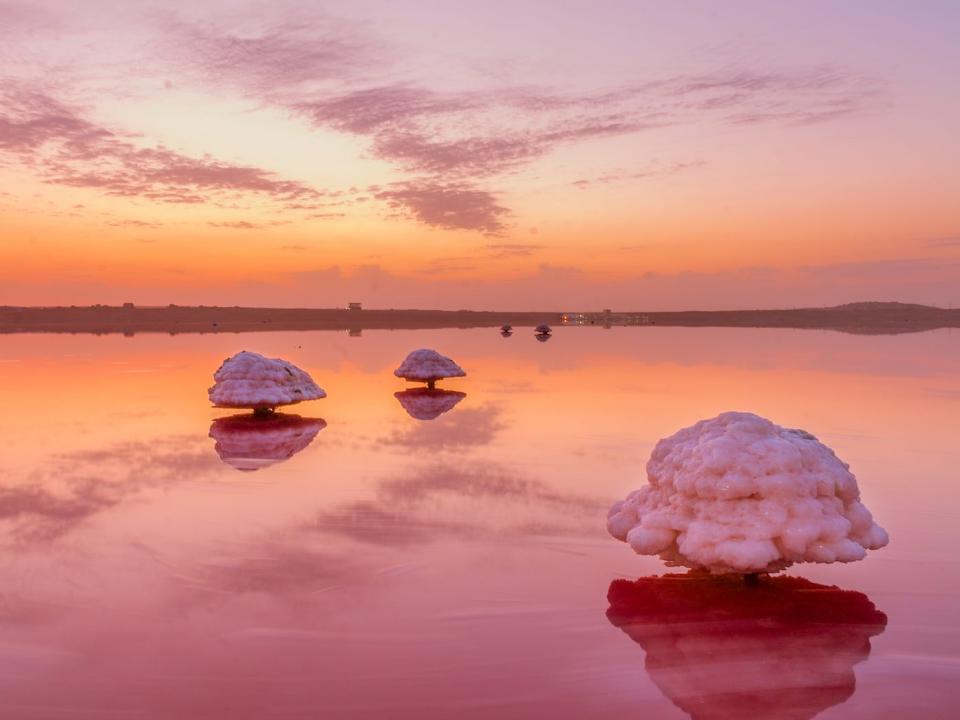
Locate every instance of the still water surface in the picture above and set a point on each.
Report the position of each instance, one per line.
(162, 560)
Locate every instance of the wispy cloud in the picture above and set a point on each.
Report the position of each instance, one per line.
(448, 141)
(246, 224)
(135, 223)
(506, 250)
(446, 205)
(273, 61)
(451, 145)
(64, 148)
(652, 170)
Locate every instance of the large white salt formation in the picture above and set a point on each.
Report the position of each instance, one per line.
(428, 366)
(739, 494)
(250, 380)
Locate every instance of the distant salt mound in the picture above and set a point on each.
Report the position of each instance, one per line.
(428, 366)
(250, 443)
(427, 404)
(720, 650)
(250, 380)
(739, 494)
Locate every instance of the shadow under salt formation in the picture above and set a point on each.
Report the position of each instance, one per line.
(251, 442)
(427, 403)
(719, 649)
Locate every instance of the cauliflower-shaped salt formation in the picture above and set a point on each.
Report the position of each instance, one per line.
(250, 443)
(428, 366)
(739, 494)
(250, 380)
(427, 404)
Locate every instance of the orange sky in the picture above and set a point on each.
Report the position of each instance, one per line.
(624, 155)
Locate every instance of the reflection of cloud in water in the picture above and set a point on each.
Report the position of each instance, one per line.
(249, 442)
(436, 503)
(427, 403)
(442, 501)
(370, 522)
(274, 568)
(76, 486)
(720, 649)
(38, 513)
(470, 427)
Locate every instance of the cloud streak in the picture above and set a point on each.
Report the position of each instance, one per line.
(452, 142)
(64, 148)
(451, 206)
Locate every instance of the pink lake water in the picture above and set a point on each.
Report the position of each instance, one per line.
(359, 562)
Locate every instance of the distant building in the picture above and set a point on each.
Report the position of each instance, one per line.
(128, 306)
(355, 306)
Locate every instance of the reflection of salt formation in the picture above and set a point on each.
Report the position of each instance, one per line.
(720, 650)
(543, 337)
(427, 404)
(738, 494)
(248, 442)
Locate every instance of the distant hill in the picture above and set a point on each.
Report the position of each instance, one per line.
(859, 317)
(878, 306)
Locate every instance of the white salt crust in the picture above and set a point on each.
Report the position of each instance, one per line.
(739, 494)
(250, 380)
(424, 365)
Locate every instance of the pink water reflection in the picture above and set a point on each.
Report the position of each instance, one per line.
(252, 442)
(394, 567)
(428, 403)
(723, 650)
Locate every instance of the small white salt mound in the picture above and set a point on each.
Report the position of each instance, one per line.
(250, 380)
(250, 443)
(428, 366)
(738, 494)
(426, 404)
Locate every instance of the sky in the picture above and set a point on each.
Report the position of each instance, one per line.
(518, 155)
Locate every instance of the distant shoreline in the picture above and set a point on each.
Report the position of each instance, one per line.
(860, 318)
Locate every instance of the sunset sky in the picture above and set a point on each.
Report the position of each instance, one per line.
(502, 155)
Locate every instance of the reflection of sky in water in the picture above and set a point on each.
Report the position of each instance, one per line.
(396, 567)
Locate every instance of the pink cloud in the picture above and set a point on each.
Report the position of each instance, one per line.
(66, 149)
(441, 137)
(246, 224)
(366, 111)
(654, 169)
(136, 223)
(274, 60)
(507, 250)
(447, 205)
